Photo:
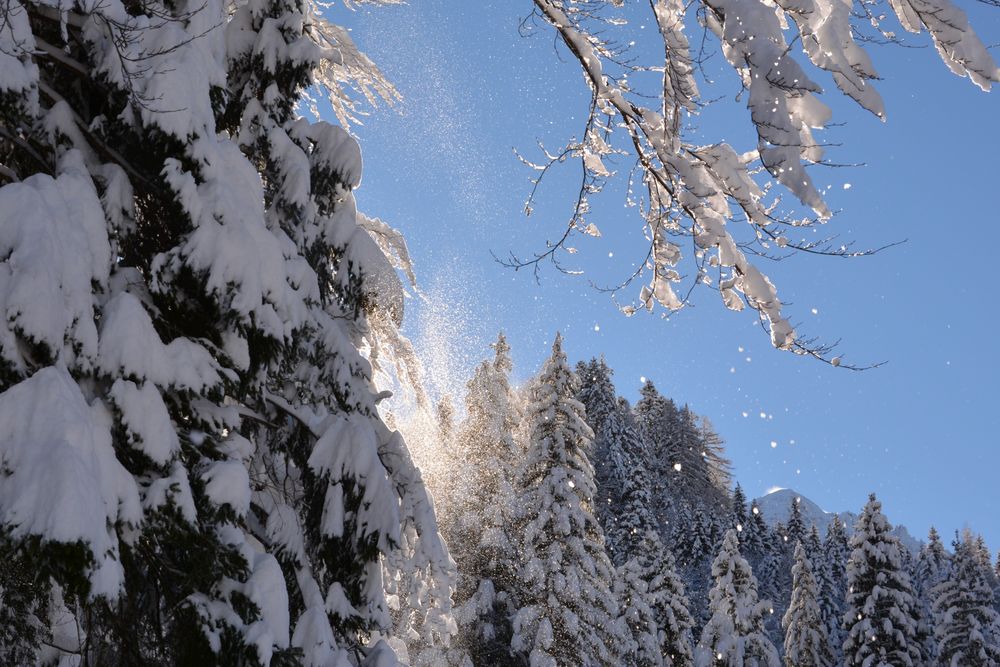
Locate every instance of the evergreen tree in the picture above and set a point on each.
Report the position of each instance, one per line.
(755, 536)
(188, 289)
(660, 422)
(661, 623)
(568, 615)
(814, 548)
(933, 566)
(879, 626)
(597, 393)
(623, 501)
(795, 529)
(967, 626)
(631, 516)
(834, 582)
(806, 641)
(829, 594)
(734, 635)
(480, 534)
(739, 513)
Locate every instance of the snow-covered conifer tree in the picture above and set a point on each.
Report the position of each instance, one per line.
(806, 640)
(480, 532)
(755, 535)
(967, 626)
(597, 393)
(631, 516)
(659, 419)
(834, 582)
(795, 530)
(932, 567)
(623, 488)
(194, 463)
(828, 594)
(739, 512)
(878, 622)
(632, 591)
(735, 635)
(568, 615)
(655, 607)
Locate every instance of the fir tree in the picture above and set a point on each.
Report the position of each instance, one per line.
(630, 517)
(795, 529)
(967, 626)
(806, 641)
(739, 513)
(735, 635)
(568, 615)
(755, 536)
(933, 566)
(481, 531)
(597, 393)
(661, 635)
(623, 501)
(201, 289)
(660, 422)
(879, 626)
(632, 591)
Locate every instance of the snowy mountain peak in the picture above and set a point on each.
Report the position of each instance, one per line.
(776, 506)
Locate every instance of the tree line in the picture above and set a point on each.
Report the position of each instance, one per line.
(589, 531)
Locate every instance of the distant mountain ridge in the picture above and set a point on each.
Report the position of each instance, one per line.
(776, 507)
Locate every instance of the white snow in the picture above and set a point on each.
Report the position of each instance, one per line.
(61, 480)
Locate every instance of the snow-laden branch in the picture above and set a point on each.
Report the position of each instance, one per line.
(700, 192)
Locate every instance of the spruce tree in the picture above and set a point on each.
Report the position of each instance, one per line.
(878, 621)
(597, 392)
(631, 517)
(837, 551)
(480, 534)
(967, 626)
(755, 536)
(655, 606)
(734, 635)
(829, 594)
(568, 615)
(739, 515)
(660, 422)
(795, 529)
(623, 502)
(188, 288)
(632, 590)
(933, 566)
(713, 449)
(806, 641)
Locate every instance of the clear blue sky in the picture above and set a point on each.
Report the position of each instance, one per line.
(922, 431)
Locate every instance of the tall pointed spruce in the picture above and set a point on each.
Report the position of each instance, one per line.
(480, 533)
(932, 567)
(650, 575)
(735, 634)
(878, 622)
(806, 641)
(568, 615)
(968, 627)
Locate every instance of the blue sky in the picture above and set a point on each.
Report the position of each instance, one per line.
(921, 431)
